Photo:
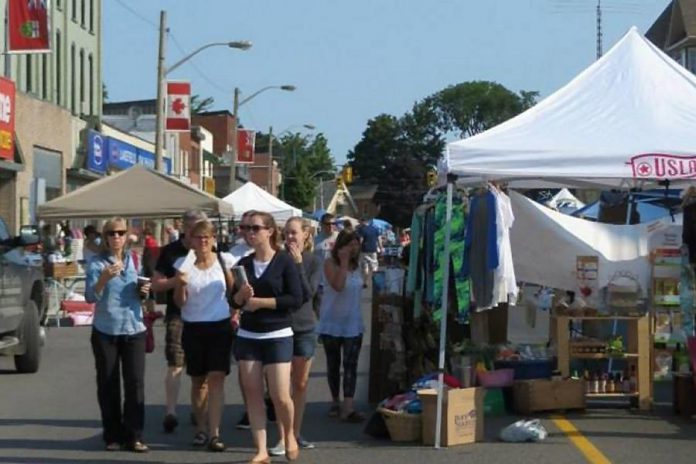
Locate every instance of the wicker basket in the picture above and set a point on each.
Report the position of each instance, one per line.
(402, 426)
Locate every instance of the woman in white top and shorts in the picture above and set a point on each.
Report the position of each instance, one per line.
(201, 293)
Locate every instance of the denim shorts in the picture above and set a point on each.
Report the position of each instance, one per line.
(268, 351)
(304, 344)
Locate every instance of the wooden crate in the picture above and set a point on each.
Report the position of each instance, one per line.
(60, 270)
(548, 395)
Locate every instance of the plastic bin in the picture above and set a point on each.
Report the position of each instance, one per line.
(528, 369)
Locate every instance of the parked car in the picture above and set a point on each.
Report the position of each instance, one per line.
(22, 299)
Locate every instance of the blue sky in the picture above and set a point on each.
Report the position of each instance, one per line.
(354, 59)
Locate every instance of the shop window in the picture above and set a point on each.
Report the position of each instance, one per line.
(90, 60)
(82, 78)
(48, 166)
(73, 11)
(27, 75)
(73, 67)
(82, 12)
(44, 76)
(59, 69)
(91, 15)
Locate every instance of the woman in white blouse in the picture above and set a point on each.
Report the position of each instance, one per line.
(201, 293)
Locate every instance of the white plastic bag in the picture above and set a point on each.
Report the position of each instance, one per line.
(523, 431)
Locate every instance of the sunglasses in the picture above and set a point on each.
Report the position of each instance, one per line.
(114, 233)
(329, 223)
(255, 228)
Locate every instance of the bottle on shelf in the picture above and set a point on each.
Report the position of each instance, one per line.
(611, 386)
(626, 383)
(586, 377)
(594, 383)
(603, 383)
(633, 380)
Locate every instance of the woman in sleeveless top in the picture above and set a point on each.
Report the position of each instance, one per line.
(340, 323)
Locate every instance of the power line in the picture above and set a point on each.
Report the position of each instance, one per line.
(136, 14)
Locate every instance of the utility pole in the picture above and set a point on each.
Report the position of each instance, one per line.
(599, 29)
(160, 113)
(270, 160)
(232, 186)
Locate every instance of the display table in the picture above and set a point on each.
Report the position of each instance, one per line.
(637, 354)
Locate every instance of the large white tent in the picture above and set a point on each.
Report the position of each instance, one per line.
(630, 116)
(250, 196)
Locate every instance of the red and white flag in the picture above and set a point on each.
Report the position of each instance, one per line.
(28, 26)
(246, 144)
(178, 106)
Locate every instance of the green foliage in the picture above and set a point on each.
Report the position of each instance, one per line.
(302, 157)
(397, 152)
(201, 105)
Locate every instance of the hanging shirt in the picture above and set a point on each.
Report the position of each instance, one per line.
(505, 284)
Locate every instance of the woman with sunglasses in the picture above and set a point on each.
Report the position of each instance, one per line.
(264, 345)
(299, 245)
(201, 293)
(340, 323)
(118, 339)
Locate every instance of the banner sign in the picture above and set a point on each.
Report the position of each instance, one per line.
(178, 106)
(97, 159)
(663, 166)
(122, 155)
(28, 26)
(7, 119)
(146, 158)
(246, 143)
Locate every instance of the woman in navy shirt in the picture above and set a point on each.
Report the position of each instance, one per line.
(118, 339)
(264, 345)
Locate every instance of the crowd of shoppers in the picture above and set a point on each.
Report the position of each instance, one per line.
(266, 302)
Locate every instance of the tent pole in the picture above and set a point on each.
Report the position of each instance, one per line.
(443, 316)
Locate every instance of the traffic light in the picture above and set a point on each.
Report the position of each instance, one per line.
(431, 178)
(347, 174)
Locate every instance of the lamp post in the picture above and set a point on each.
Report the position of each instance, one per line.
(235, 130)
(162, 72)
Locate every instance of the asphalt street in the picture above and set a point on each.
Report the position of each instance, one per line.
(52, 417)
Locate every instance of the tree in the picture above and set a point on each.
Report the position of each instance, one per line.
(396, 153)
(201, 105)
(105, 93)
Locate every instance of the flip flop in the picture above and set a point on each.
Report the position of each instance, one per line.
(354, 417)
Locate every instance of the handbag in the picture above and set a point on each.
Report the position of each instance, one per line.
(149, 319)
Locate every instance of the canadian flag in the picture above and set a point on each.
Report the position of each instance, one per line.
(178, 106)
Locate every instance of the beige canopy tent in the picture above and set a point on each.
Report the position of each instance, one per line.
(137, 192)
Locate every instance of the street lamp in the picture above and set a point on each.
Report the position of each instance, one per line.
(162, 72)
(235, 130)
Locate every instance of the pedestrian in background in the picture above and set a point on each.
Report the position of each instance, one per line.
(341, 324)
(370, 246)
(92, 244)
(299, 245)
(164, 280)
(201, 292)
(264, 345)
(118, 339)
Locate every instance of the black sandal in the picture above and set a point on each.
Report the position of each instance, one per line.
(200, 439)
(354, 417)
(216, 445)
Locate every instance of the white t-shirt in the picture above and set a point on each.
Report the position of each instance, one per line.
(206, 300)
(260, 267)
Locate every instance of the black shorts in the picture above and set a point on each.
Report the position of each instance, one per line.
(304, 344)
(172, 342)
(268, 351)
(207, 346)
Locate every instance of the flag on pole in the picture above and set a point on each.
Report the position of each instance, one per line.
(246, 143)
(178, 106)
(28, 26)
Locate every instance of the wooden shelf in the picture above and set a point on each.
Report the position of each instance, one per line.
(611, 395)
(603, 355)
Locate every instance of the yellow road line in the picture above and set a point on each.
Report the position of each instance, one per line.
(590, 451)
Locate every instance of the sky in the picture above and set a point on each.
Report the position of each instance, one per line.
(352, 60)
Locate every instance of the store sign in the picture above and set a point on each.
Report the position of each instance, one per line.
(28, 26)
(178, 106)
(122, 155)
(97, 159)
(146, 158)
(246, 143)
(662, 166)
(7, 119)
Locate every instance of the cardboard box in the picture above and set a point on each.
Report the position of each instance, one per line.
(462, 415)
(548, 395)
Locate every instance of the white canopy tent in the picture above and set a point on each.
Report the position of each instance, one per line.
(250, 196)
(631, 115)
(628, 118)
(564, 201)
